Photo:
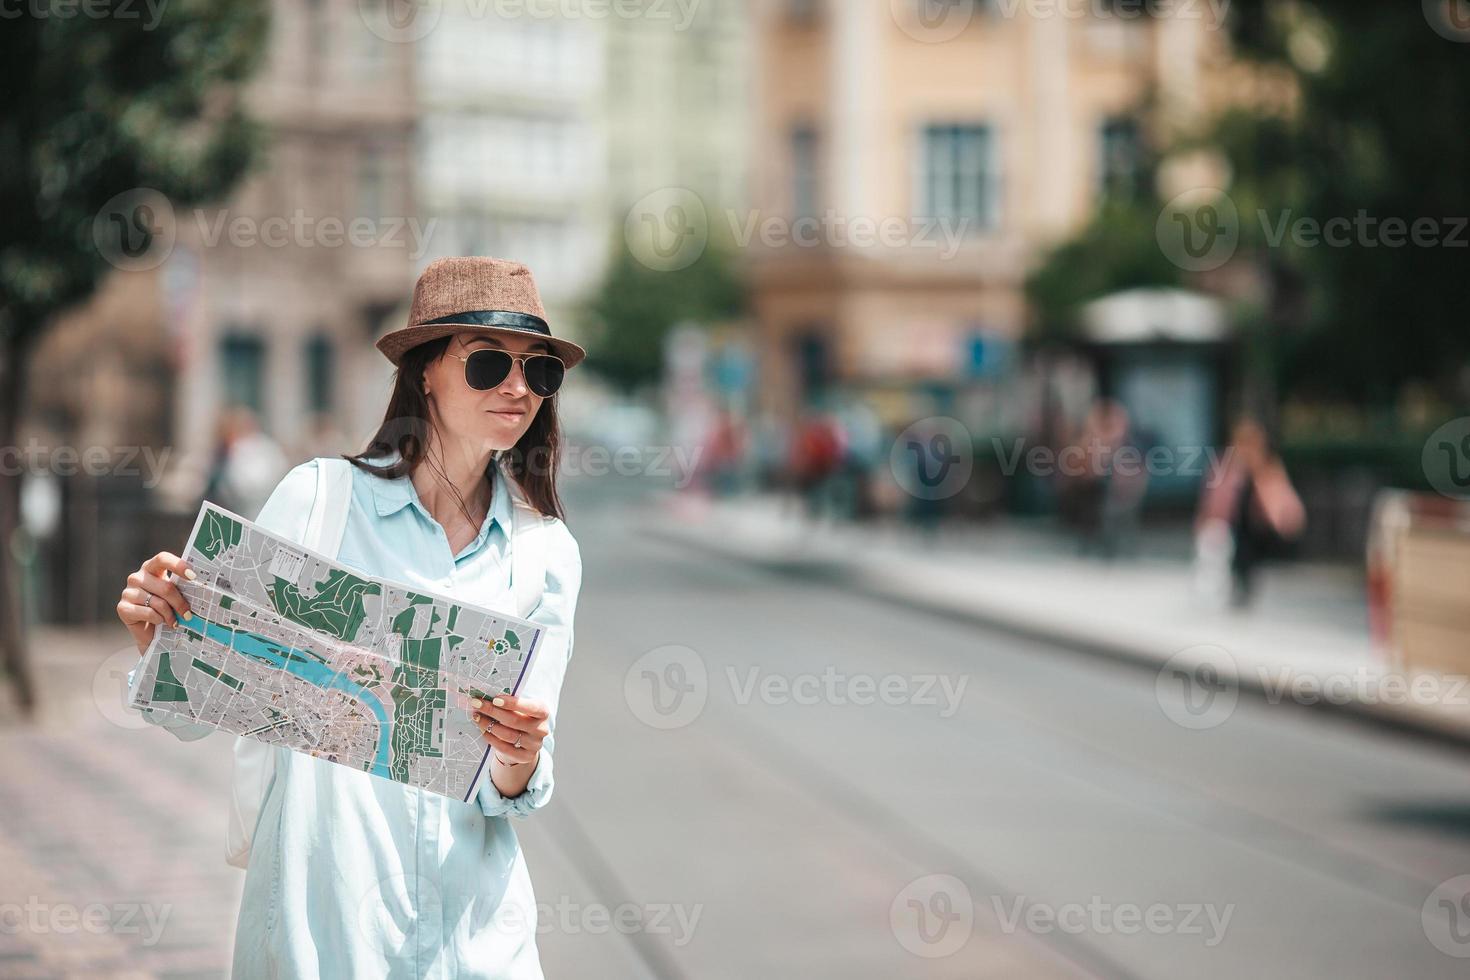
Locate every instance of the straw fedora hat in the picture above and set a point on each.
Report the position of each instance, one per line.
(479, 295)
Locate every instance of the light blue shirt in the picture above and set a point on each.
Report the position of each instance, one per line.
(352, 875)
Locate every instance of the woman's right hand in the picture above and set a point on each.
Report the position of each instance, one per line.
(150, 599)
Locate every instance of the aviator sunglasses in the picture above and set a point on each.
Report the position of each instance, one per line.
(488, 368)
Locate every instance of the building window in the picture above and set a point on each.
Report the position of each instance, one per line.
(813, 356)
(320, 377)
(1120, 172)
(804, 172)
(371, 56)
(370, 184)
(958, 178)
(318, 26)
(802, 13)
(242, 360)
(939, 11)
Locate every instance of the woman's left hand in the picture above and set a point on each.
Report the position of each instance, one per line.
(514, 727)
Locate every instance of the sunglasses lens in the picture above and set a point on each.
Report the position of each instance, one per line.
(544, 374)
(486, 369)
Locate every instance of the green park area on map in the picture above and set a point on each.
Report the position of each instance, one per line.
(293, 649)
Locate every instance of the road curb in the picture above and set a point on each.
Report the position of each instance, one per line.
(1404, 720)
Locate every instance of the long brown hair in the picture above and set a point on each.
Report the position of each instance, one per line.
(531, 462)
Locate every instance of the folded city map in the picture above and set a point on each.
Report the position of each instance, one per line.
(291, 648)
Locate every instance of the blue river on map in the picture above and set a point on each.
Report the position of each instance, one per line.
(302, 665)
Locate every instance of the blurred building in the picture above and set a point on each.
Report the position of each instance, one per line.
(512, 149)
(278, 321)
(393, 135)
(913, 159)
(678, 100)
(270, 299)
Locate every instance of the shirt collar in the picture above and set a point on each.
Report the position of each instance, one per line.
(392, 495)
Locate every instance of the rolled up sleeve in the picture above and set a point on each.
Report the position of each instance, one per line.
(285, 513)
(548, 670)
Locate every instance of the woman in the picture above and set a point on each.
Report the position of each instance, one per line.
(352, 875)
(1250, 502)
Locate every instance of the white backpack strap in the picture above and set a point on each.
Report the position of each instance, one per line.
(255, 762)
(328, 520)
(527, 553)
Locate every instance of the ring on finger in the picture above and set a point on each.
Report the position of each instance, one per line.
(518, 741)
(148, 600)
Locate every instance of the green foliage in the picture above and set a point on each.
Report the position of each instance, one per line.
(1118, 250)
(100, 105)
(1382, 132)
(635, 307)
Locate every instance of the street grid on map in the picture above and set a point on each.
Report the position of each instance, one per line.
(293, 649)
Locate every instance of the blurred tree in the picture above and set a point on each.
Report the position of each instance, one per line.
(1117, 250)
(635, 307)
(101, 99)
(1378, 139)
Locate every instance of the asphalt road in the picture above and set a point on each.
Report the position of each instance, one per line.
(760, 775)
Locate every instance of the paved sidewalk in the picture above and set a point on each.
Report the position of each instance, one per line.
(1305, 641)
(112, 840)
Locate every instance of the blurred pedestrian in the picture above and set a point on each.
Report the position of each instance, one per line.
(771, 451)
(930, 450)
(1250, 496)
(1104, 480)
(816, 456)
(323, 437)
(247, 465)
(865, 450)
(722, 460)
